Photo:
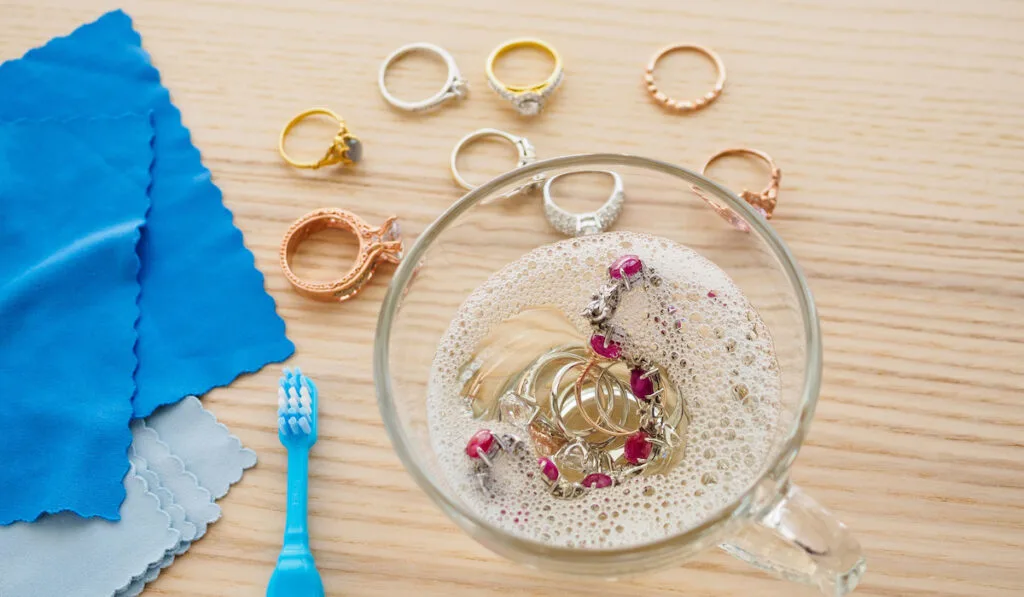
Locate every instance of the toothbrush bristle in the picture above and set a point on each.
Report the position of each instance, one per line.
(295, 404)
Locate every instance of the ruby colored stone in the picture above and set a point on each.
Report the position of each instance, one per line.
(547, 466)
(596, 481)
(711, 294)
(642, 387)
(637, 447)
(481, 440)
(611, 351)
(627, 264)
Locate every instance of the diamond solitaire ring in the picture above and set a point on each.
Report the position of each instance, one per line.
(524, 148)
(455, 87)
(528, 100)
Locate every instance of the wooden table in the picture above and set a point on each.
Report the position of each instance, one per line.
(897, 126)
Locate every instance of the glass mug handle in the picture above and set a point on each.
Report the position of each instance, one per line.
(799, 540)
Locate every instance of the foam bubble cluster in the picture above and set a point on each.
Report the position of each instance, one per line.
(713, 345)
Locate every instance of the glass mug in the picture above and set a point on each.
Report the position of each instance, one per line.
(772, 524)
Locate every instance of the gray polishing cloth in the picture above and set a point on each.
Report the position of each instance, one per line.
(182, 460)
(205, 446)
(63, 554)
(198, 455)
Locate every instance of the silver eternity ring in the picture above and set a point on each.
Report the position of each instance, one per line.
(455, 87)
(592, 222)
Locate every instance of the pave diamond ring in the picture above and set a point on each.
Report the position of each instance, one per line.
(528, 100)
(591, 222)
(455, 87)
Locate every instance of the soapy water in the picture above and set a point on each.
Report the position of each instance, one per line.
(715, 349)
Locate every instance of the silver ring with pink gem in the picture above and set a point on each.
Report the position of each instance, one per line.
(592, 429)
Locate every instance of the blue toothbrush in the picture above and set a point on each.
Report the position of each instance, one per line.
(296, 574)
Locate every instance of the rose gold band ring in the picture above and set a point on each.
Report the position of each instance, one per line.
(680, 105)
(376, 245)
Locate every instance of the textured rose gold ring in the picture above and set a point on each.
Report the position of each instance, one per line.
(679, 105)
(765, 200)
(376, 245)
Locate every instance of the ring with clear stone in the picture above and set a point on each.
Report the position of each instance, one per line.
(455, 87)
(528, 100)
(377, 245)
(527, 155)
(591, 222)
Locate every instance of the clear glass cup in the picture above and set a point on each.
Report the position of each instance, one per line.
(773, 524)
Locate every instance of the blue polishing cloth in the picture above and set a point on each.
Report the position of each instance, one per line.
(205, 317)
(73, 198)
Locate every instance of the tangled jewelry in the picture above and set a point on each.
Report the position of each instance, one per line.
(592, 429)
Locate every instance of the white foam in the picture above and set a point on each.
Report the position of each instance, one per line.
(714, 346)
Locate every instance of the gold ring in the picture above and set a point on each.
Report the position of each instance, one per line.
(528, 100)
(685, 106)
(345, 149)
(376, 245)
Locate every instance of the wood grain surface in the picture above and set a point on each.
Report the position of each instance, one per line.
(898, 128)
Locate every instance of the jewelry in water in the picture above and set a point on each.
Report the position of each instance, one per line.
(604, 391)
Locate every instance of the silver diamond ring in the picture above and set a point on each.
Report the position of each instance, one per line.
(590, 222)
(455, 87)
(527, 155)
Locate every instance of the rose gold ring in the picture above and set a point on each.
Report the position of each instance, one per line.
(376, 245)
(678, 105)
(764, 202)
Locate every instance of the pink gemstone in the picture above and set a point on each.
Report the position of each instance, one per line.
(711, 294)
(596, 481)
(547, 466)
(481, 440)
(611, 351)
(642, 387)
(637, 447)
(627, 264)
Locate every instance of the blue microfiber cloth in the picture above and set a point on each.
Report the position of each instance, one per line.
(73, 198)
(205, 317)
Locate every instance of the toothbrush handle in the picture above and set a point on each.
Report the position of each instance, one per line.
(296, 537)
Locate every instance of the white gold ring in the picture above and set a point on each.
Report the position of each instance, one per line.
(455, 87)
(525, 149)
(591, 222)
